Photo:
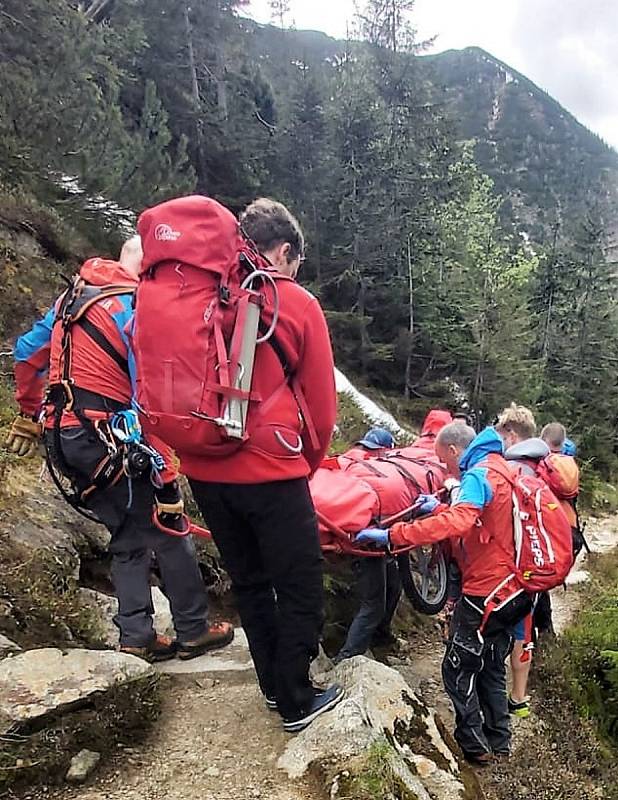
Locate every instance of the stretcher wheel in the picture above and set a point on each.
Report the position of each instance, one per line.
(424, 576)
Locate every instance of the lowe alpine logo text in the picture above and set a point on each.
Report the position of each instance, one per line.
(165, 233)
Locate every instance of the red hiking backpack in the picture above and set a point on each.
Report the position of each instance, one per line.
(542, 533)
(198, 308)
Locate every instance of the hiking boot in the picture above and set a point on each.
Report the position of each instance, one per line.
(480, 759)
(322, 702)
(521, 710)
(161, 648)
(216, 635)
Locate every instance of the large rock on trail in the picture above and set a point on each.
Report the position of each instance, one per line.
(40, 683)
(380, 729)
(55, 704)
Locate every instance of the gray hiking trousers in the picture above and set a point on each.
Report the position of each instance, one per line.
(126, 511)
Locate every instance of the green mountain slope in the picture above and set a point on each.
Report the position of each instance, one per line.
(542, 160)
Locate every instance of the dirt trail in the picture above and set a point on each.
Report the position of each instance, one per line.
(216, 740)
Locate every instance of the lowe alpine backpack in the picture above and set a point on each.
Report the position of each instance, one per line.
(541, 531)
(199, 315)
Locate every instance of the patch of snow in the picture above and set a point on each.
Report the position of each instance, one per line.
(509, 77)
(370, 409)
(495, 113)
(457, 392)
(527, 246)
(121, 218)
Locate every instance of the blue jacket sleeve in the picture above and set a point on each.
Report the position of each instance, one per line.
(31, 354)
(475, 488)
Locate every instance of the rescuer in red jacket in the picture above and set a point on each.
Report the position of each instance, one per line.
(473, 669)
(88, 372)
(257, 502)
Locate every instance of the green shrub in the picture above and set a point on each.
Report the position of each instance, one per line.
(590, 651)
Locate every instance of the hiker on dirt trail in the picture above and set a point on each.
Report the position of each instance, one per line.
(562, 474)
(247, 448)
(80, 349)
(517, 427)
(474, 669)
(378, 582)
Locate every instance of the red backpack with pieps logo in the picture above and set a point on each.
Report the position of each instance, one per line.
(541, 531)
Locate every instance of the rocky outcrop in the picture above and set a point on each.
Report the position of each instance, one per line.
(380, 728)
(40, 683)
(55, 704)
(7, 647)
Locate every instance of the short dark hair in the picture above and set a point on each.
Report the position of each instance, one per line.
(269, 223)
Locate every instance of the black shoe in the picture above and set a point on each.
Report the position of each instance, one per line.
(322, 702)
(271, 702)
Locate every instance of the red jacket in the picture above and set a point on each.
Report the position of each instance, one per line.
(481, 518)
(38, 353)
(303, 335)
(39, 358)
(433, 423)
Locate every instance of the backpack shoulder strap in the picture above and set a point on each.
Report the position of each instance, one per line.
(502, 470)
(72, 311)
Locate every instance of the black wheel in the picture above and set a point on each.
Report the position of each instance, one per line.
(424, 575)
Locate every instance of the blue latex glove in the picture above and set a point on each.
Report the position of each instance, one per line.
(377, 536)
(426, 503)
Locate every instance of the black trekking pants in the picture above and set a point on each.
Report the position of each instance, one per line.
(474, 674)
(268, 538)
(126, 511)
(379, 588)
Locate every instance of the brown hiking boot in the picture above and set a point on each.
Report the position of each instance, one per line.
(216, 635)
(161, 648)
(480, 759)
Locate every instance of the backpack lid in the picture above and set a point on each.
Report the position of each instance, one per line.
(195, 230)
(535, 449)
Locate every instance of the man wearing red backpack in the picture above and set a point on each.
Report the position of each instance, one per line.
(234, 364)
(89, 381)
(473, 668)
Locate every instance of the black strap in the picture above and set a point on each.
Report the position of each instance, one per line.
(95, 334)
(407, 476)
(83, 399)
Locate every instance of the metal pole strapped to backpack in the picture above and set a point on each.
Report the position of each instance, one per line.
(242, 350)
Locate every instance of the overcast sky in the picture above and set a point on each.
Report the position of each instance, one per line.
(567, 47)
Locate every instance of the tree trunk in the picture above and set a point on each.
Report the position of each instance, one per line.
(197, 100)
(220, 67)
(316, 242)
(408, 378)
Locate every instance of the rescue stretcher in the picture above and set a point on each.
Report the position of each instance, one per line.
(351, 494)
